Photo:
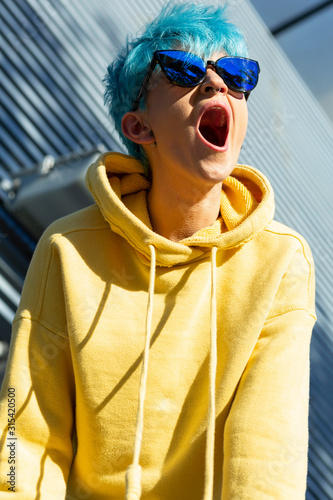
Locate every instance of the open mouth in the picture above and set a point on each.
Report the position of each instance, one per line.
(213, 126)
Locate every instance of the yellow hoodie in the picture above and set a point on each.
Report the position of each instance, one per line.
(230, 314)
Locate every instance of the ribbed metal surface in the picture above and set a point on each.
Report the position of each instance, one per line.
(52, 96)
(55, 54)
(16, 249)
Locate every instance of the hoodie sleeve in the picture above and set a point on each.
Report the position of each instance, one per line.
(37, 397)
(266, 433)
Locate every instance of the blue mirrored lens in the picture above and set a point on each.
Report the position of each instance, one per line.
(188, 70)
(238, 73)
(182, 68)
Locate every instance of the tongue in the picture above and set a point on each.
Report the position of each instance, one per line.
(211, 129)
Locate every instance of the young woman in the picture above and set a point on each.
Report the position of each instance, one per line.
(163, 333)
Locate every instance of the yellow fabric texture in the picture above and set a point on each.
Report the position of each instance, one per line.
(78, 340)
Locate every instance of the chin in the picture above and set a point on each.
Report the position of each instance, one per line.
(217, 169)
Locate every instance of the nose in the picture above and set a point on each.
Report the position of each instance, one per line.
(213, 82)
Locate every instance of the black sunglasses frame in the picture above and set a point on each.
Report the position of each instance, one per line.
(156, 60)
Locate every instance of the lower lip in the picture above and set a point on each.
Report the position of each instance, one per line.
(213, 146)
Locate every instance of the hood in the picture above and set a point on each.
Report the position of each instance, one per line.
(119, 187)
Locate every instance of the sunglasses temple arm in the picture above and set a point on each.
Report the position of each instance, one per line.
(144, 83)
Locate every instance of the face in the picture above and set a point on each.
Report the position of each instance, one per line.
(198, 131)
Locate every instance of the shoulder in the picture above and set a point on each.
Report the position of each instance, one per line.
(69, 234)
(63, 253)
(289, 239)
(290, 249)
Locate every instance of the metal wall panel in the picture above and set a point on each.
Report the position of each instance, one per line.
(55, 53)
(52, 93)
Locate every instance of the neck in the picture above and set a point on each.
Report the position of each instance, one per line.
(178, 214)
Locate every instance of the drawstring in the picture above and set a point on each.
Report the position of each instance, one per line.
(209, 464)
(133, 473)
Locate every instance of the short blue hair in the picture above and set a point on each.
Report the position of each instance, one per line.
(199, 28)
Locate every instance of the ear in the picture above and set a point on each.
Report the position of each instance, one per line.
(135, 128)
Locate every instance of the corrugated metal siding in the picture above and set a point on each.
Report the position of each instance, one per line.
(16, 248)
(54, 56)
(52, 96)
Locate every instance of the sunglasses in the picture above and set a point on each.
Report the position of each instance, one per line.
(189, 70)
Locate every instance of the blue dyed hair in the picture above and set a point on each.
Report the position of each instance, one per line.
(198, 28)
